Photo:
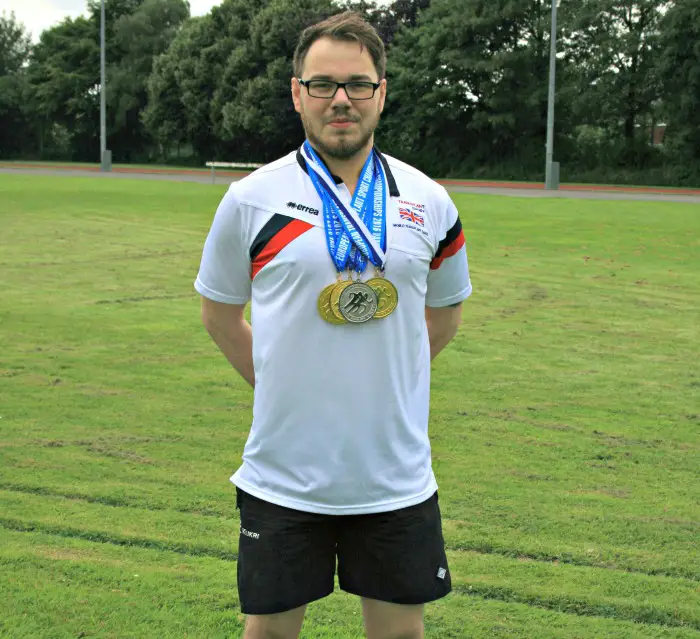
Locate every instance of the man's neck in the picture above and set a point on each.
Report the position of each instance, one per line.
(349, 170)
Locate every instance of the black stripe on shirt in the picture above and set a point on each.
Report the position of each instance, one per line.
(393, 188)
(273, 226)
(451, 236)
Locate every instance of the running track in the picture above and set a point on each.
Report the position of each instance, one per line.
(517, 189)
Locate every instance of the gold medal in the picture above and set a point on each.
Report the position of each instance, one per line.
(387, 295)
(324, 305)
(338, 288)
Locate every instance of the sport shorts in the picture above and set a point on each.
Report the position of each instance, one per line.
(287, 558)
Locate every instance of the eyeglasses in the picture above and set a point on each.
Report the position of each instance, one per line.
(328, 88)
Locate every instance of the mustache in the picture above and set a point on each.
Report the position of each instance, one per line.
(342, 113)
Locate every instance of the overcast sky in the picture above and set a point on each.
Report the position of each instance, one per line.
(37, 15)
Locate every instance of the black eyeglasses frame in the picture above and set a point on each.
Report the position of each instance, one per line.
(340, 85)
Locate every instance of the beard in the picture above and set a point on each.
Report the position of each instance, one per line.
(342, 146)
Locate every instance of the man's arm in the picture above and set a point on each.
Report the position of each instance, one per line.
(442, 326)
(232, 334)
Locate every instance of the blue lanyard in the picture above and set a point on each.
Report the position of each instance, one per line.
(357, 235)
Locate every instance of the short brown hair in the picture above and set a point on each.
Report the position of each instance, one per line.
(347, 26)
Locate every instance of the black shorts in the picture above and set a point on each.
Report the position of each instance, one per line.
(287, 558)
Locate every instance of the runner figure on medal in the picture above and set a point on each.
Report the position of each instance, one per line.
(355, 269)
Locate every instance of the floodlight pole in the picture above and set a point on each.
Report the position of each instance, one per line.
(105, 156)
(551, 180)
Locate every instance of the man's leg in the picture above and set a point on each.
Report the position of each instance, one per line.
(395, 561)
(392, 621)
(286, 559)
(284, 625)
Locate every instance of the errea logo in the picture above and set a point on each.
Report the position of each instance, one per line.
(301, 207)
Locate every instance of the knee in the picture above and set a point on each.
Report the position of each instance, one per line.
(384, 620)
(271, 634)
(415, 632)
(267, 633)
(255, 629)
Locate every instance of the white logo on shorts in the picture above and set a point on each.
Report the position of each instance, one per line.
(441, 573)
(248, 533)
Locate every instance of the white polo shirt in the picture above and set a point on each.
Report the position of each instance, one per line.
(340, 414)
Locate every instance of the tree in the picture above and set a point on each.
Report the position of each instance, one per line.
(15, 47)
(188, 88)
(222, 67)
(254, 98)
(137, 39)
(223, 85)
(468, 86)
(388, 19)
(614, 45)
(381, 18)
(64, 76)
(180, 88)
(407, 11)
(226, 78)
(679, 70)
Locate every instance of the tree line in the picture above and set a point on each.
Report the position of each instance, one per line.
(467, 85)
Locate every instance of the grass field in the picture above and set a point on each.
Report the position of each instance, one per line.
(565, 422)
(590, 185)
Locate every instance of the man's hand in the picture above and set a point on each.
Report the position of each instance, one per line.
(442, 326)
(232, 334)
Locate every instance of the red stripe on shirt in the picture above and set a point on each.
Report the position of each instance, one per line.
(288, 234)
(448, 251)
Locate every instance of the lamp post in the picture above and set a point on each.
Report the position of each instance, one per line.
(551, 180)
(105, 155)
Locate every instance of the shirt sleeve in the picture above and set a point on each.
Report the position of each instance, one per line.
(224, 272)
(448, 279)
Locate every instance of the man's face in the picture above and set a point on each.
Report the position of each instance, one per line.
(338, 127)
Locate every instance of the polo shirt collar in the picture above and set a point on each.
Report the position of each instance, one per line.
(393, 188)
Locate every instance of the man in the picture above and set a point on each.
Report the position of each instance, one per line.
(355, 266)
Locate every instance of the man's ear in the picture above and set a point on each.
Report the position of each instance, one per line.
(382, 95)
(296, 95)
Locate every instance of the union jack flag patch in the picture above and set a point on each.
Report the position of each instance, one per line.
(411, 216)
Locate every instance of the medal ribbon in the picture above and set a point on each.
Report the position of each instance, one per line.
(347, 234)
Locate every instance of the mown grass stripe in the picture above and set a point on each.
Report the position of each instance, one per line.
(571, 560)
(581, 590)
(648, 615)
(483, 548)
(78, 581)
(192, 550)
(615, 609)
(618, 611)
(115, 502)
